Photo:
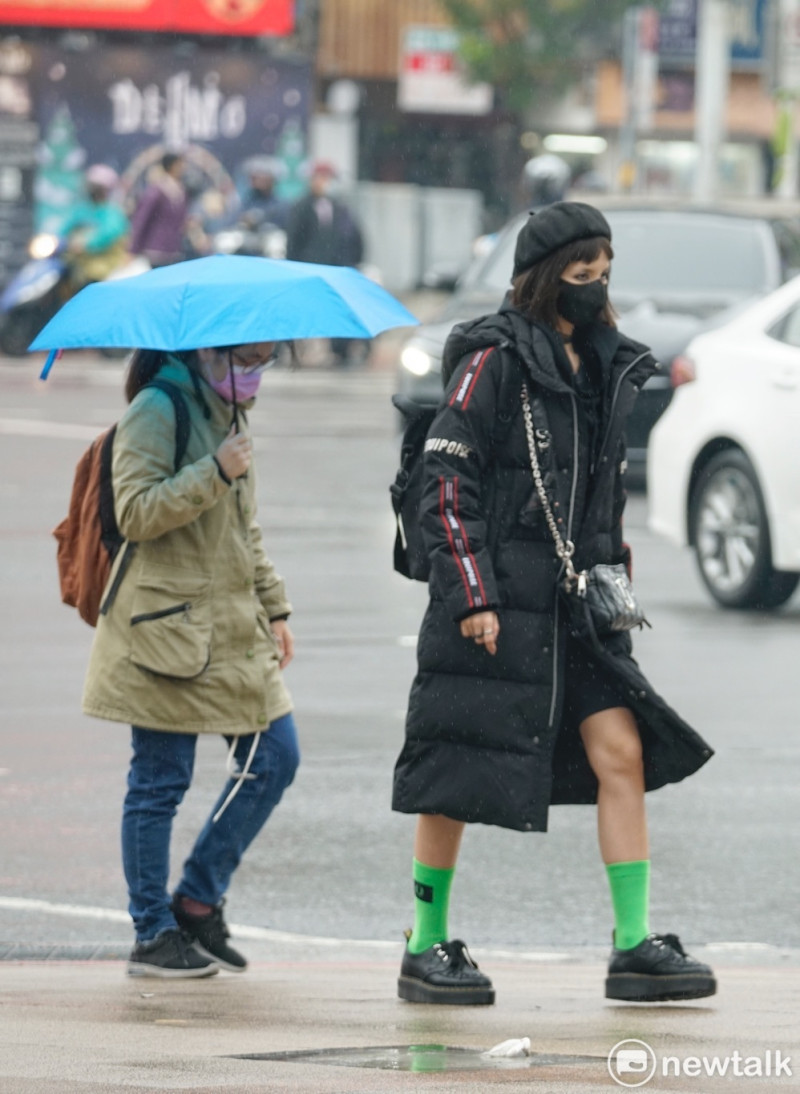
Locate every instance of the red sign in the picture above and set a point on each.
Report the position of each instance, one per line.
(240, 17)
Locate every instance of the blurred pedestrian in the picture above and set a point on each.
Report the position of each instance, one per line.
(545, 180)
(194, 642)
(158, 224)
(322, 229)
(518, 703)
(96, 230)
(260, 204)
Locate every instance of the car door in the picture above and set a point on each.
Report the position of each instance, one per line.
(781, 441)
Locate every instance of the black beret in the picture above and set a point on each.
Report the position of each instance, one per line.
(554, 227)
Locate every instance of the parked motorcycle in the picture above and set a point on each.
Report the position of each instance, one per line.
(251, 235)
(40, 288)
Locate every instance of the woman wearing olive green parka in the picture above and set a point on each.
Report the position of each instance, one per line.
(194, 641)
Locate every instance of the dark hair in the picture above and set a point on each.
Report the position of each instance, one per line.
(143, 366)
(145, 363)
(536, 290)
(169, 159)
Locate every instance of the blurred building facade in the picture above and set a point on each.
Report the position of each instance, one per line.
(83, 82)
(374, 87)
(480, 144)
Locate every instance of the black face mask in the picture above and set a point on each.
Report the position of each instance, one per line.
(581, 304)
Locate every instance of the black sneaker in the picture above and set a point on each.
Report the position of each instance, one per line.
(210, 936)
(170, 955)
(656, 970)
(444, 973)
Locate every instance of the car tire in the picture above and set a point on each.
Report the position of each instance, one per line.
(18, 330)
(730, 533)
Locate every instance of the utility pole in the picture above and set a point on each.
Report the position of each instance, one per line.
(712, 76)
(640, 77)
(785, 88)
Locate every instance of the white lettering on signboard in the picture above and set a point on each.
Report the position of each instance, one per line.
(181, 112)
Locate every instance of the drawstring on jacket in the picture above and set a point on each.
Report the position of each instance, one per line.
(239, 776)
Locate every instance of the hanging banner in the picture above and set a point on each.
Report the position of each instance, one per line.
(240, 17)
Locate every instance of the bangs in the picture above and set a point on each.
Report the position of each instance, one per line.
(586, 250)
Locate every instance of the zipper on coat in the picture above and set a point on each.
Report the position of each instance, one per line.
(570, 516)
(614, 398)
(145, 617)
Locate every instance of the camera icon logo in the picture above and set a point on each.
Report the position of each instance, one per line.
(631, 1063)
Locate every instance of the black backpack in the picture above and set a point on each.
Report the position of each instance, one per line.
(410, 557)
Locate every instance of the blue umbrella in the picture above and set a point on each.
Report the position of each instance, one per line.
(220, 301)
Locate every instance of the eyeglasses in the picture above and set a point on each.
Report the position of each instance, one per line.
(253, 364)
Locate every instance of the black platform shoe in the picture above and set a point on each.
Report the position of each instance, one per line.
(656, 970)
(444, 973)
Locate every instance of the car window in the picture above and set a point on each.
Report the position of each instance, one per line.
(787, 236)
(670, 253)
(686, 254)
(787, 329)
(496, 274)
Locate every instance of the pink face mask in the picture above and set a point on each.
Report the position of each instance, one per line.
(246, 384)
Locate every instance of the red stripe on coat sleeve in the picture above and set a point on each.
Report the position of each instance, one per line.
(465, 537)
(449, 530)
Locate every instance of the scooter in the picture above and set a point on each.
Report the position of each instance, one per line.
(251, 235)
(40, 288)
(34, 295)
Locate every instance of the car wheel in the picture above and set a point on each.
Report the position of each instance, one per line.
(19, 329)
(730, 534)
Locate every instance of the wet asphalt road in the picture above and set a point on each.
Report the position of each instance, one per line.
(334, 860)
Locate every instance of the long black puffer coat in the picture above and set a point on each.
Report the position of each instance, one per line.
(484, 740)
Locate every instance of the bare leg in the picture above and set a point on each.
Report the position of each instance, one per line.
(438, 840)
(614, 749)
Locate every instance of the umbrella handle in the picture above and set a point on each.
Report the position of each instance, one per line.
(233, 392)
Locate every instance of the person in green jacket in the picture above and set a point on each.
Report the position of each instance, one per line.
(96, 230)
(194, 642)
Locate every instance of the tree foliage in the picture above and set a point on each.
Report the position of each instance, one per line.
(528, 46)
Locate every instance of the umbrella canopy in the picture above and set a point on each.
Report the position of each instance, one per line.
(224, 300)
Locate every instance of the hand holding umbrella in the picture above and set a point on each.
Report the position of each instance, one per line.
(235, 454)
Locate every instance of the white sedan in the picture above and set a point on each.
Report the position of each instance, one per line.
(724, 459)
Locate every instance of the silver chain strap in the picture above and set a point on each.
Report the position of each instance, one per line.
(565, 549)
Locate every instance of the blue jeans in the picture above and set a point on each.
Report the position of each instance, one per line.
(159, 776)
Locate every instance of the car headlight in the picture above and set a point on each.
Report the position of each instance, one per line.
(43, 245)
(416, 361)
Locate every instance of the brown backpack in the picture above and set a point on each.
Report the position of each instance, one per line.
(88, 537)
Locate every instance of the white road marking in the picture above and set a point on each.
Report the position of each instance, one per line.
(266, 934)
(30, 427)
(255, 934)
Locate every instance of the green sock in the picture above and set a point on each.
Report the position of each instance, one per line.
(431, 901)
(630, 895)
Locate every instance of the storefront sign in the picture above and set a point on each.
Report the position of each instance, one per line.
(127, 106)
(241, 17)
(431, 79)
(678, 34)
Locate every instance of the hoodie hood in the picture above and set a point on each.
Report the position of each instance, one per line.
(537, 346)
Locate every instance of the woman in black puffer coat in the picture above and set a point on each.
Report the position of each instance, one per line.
(516, 706)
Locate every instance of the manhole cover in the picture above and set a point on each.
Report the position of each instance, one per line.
(419, 1058)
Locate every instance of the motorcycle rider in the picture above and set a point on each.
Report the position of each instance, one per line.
(260, 203)
(96, 230)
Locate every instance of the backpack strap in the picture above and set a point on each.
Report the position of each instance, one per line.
(182, 422)
(109, 532)
(107, 519)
